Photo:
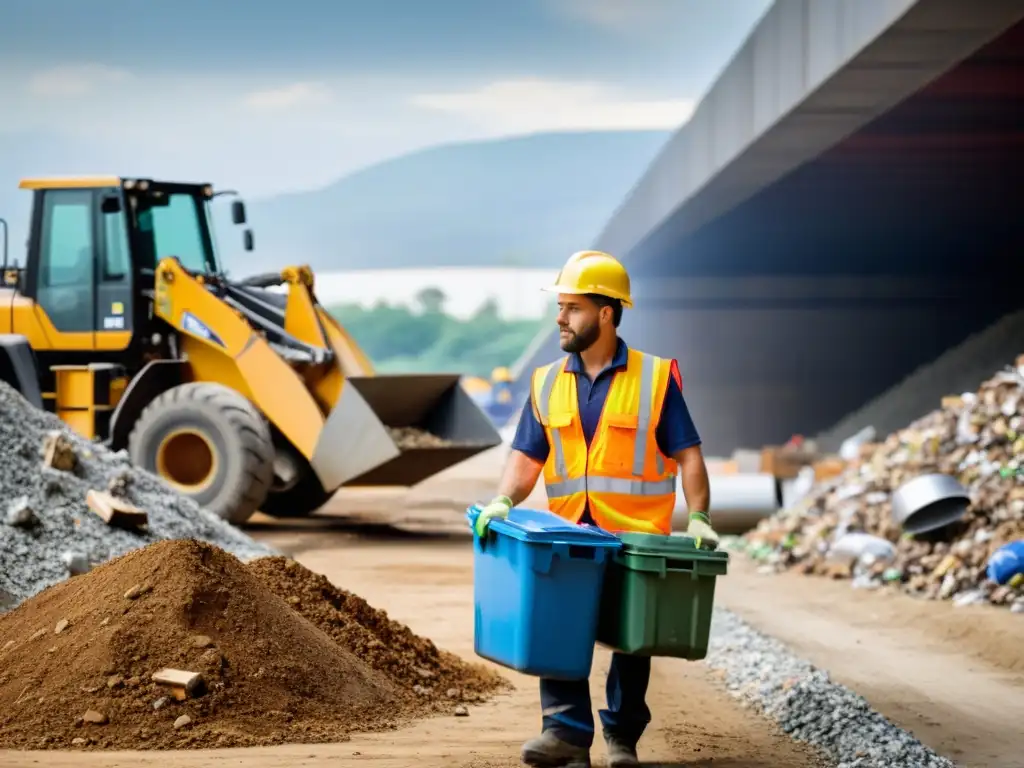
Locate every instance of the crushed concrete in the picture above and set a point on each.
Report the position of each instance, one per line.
(65, 537)
(807, 704)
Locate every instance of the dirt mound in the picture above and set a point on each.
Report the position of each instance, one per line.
(414, 663)
(88, 647)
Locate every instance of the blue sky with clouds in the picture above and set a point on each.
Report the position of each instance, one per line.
(272, 96)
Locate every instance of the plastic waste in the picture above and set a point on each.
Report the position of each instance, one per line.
(852, 547)
(850, 448)
(798, 487)
(1006, 562)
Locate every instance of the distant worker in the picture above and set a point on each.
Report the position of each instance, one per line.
(501, 390)
(609, 429)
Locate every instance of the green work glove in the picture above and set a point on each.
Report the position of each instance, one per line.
(702, 532)
(497, 509)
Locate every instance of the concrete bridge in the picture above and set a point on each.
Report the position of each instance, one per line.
(843, 207)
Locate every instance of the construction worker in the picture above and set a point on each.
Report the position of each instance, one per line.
(609, 429)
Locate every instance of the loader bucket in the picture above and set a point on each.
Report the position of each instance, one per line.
(455, 426)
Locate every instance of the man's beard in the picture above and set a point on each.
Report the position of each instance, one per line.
(582, 341)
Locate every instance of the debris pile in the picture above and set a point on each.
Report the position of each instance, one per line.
(67, 504)
(408, 438)
(411, 438)
(178, 645)
(440, 679)
(977, 438)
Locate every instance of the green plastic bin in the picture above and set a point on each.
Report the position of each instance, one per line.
(657, 596)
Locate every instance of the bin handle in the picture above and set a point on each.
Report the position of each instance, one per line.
(679, 565)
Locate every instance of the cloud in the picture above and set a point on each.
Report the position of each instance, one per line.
(620, 15)
(302, 94)
(71, 80)
(530, 105)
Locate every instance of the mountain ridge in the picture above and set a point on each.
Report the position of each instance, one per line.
(524, 201)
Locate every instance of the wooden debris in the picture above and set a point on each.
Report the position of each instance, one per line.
(58, 452)
(182, 683)
(115, 512)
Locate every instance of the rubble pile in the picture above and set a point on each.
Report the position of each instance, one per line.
(410, 438)
(178, 645)
(977, 438)
(407, 438)
(441, 680)
(67, 504)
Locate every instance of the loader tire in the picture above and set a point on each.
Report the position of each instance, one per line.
(302, 499)
(210, 444)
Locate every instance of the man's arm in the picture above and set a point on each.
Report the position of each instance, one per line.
(526, 459)
(521, 474)
(694, 477)
(677, 437)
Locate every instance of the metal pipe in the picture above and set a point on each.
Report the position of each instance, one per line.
(738, 502)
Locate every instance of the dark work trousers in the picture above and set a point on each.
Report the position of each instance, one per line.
(566, 706)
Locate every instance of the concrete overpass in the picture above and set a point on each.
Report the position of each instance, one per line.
(842, 208)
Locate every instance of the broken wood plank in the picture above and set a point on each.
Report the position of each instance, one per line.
(58, 452)
(181, 682)
(114, 511)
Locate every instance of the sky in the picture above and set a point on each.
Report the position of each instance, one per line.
(269, 96)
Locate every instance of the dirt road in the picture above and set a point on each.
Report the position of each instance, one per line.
(954, 677)
(427, 584)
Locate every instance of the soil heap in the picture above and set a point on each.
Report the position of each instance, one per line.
(977, 438)
(76, 661)
(45, 523)
(440, 679)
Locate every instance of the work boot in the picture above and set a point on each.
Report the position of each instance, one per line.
(621, 754)
(549, 751)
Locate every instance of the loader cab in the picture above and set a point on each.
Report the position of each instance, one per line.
(93, 248)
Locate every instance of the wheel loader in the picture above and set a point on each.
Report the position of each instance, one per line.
(243, 394)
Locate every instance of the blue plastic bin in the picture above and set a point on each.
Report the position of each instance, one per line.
(537, 582)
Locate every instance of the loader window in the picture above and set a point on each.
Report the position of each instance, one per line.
(177, 224)
(115, 262)
(65, 288)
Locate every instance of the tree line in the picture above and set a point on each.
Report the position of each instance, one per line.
(424, 338)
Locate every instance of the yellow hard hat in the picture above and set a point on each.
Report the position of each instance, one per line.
(594, 272)
(501, 373)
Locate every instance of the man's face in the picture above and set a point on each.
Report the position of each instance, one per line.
(579, 322)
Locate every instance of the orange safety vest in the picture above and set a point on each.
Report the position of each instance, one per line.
(628, 482)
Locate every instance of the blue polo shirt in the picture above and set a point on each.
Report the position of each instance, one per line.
(675, 430)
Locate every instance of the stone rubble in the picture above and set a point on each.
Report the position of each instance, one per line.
(977, 438)
(807, 704)
(48, 472)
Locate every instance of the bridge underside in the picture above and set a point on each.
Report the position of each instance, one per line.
(832, 285)
(856, 268)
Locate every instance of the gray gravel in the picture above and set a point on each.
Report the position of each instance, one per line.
(62, 534)
(806, 704)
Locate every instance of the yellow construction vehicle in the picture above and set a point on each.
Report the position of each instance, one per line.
(243, 394)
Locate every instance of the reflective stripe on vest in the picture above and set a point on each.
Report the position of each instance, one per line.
(544, 407)
(599, 484)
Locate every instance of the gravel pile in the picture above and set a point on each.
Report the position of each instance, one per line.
(806, 704)
(46, 530)
(978, 438)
